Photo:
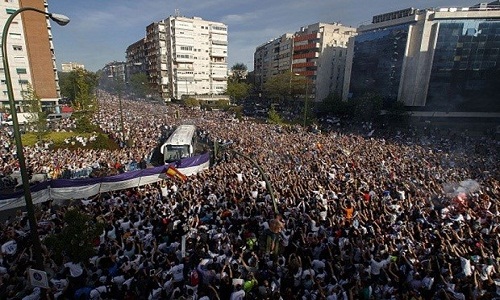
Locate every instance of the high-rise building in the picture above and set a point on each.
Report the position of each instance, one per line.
(30, 54)
(184, 56)
(444, 59)
(273, 58)
(71, 66)
(136, 59)
(316, 51)
(319, 54)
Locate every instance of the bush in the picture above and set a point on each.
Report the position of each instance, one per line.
(101, 142)
(83, 124)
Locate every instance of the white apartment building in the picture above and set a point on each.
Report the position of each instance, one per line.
(186, 56)
(71, 66)
(197, 56)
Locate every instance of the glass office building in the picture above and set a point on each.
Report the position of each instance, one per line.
(466, 67)
(378, 60)
(433, 60)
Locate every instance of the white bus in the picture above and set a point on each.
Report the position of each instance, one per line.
(180, 144)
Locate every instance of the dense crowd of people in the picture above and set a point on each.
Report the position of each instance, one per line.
(410, 215)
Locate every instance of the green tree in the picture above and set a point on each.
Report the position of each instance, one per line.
(397, 115)
(334, 105)
(279, 86)
(191, 102)
(139, 85)
(239, 71)
(287, 85)
(273, 116)
(69, 82)
(237, 90)
(367, 107)
(77, 237)
(36, 117)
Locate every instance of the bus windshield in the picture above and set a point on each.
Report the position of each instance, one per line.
(176, 152)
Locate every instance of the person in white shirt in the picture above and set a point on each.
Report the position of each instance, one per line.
(238, 294)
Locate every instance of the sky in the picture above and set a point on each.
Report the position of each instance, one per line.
(101, 30)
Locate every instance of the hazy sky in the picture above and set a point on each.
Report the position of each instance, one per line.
(101, 30)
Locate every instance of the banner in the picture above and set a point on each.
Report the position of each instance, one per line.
(67, 189)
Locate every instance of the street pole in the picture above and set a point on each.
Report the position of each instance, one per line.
(121, 116)
(269, 187)
(30, 210)
(305, 103)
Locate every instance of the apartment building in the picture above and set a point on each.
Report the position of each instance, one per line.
(439, 59)
(30, 54)
(71, 66)
(317, 51)
(135, 57)
(319, 54)
(273, 58)
(183, 56)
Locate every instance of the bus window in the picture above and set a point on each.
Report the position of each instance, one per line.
(176, 152)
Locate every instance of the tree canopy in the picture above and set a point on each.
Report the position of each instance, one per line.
(239, 71)
(237, 90)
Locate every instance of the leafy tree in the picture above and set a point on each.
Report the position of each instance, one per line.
(139, 85)
(239, 71)
(288, 84)
(368, 107)
(397, 115)
(334, 105)
(76, 240)
(191, 102)
(68, 82)
(279, 86)
(36, 117)
(237, 90)
(237, 111)
(274, 117)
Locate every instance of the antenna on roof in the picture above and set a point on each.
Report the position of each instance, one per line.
(177, 12)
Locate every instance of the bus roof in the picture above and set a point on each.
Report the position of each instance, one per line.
(183, 135)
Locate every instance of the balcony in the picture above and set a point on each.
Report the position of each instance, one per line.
(306, 47)
(219, 42)
(219, 76)
(306, 55)
(306, 37)
(305, 73)
(304, 65)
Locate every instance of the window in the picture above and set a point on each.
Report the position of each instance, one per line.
(21, 71)
(10, 11)
(23, 81)
(17, 47)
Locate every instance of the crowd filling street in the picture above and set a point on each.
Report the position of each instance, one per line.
(412, 214)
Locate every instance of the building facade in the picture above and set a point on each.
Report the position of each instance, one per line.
(445, 59)
(71, 66)
(182, 56)
(319, 54)
(273, 58)
(30, 54)
(135, 57)
(197, 56)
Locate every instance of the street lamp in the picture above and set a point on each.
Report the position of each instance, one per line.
(61, 20)
(118, 86)
(306, 102)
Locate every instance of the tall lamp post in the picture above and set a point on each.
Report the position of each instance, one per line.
(61, 20)
(306, 102)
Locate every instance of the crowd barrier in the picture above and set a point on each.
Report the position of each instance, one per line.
(66, 189)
